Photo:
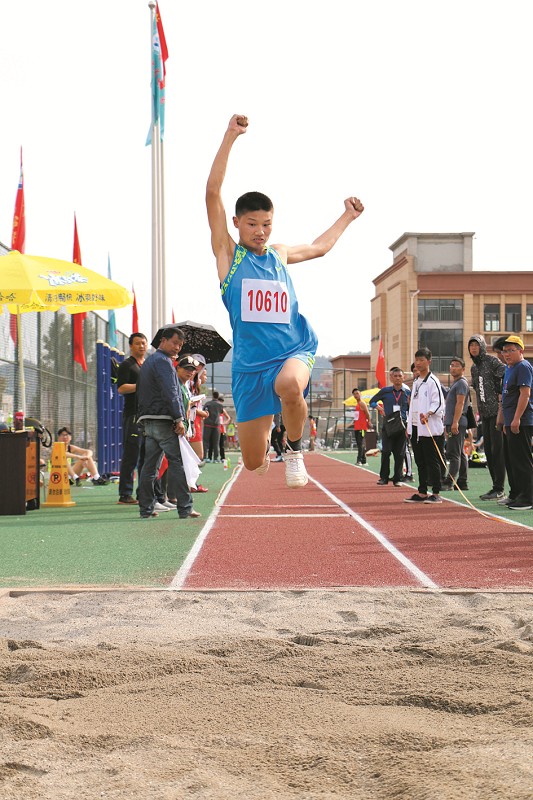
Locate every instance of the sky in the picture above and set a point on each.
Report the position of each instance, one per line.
(422, 110)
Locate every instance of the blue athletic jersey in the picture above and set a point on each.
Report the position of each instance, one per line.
(520, 374)
(267, 325)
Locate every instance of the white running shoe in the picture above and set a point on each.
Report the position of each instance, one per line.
(169, 505)
(263, 469)
(295, 472)
(161, 507)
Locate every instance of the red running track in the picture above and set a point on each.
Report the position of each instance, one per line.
(342, 530)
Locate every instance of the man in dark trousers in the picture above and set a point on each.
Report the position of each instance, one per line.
(395, 399)
(215, 409)
(456, 423)
(128, 375)
(516, 414)
(161, 412)
(487, 374)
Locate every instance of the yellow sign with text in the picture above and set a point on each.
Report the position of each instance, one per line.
(58, 482)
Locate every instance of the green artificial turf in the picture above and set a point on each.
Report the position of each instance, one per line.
(100, 543)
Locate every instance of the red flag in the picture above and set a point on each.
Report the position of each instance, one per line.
(18, 237)
(135, 316)
(77, 319)
(381, 375)
(162, 42)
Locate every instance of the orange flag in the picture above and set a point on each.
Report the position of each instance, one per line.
(78, 349)
(381, 375)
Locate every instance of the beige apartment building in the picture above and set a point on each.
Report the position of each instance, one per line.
(431, 297)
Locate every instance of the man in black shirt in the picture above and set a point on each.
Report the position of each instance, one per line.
(487, 375)
(215, 409)
(128, 375)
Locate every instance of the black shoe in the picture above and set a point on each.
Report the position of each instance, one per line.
(408, 478)
(396, 483)
(382, 482)
(415, 498)
(447, 487)
(433, 498)
(100, 482)
(463, 487)
(519, 505)
(492, 495)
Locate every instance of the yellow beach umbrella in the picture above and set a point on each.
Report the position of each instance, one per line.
(366, 395)
(36, 283)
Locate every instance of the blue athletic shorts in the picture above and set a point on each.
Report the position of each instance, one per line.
(253, 392)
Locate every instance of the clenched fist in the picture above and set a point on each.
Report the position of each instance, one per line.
(354, 206)
(238, 124)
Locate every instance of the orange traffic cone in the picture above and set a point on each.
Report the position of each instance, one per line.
(58, 483)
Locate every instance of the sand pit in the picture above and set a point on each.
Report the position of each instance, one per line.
(338, 694)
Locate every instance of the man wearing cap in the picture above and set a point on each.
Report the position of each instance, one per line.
(516, 413)
(487, 374)
(161, 411)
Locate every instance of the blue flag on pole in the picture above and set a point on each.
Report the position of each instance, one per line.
(112, 327)
(158, 85)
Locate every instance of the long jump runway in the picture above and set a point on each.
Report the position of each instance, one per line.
(342, 530)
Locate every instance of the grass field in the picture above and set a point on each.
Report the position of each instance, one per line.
(97, 542)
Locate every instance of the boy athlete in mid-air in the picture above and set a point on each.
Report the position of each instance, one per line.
(273, 344)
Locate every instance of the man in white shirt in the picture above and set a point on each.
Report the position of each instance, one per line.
(426, 429)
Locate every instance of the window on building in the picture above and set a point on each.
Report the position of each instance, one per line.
(444, 343)
(529, 317)
(492, 317)
(513, 321)
(361, 384)
(440, 310)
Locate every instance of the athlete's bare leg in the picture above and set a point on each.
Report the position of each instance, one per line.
(198, 448)
(253, 439)
(290, 385)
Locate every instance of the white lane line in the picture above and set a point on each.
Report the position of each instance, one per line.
(424, 579)
(278, 505)
(338, 514)
(178, 581)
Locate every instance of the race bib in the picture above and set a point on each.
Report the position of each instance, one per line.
(265, 301)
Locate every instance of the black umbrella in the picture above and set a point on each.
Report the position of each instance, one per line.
(199, 338)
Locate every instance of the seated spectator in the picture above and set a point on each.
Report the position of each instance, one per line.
(81, 460)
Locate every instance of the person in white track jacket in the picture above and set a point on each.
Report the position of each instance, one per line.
(425, 426)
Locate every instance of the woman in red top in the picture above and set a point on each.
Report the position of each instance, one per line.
(361, 423)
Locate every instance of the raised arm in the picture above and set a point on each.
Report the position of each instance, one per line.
(221, 242)
(353, 208)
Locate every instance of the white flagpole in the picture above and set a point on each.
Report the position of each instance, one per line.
(163, 281)
(157, 320)
(22, 379)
